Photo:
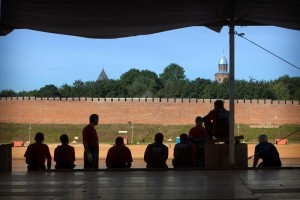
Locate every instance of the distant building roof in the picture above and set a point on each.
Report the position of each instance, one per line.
(102, 76)
(223, 60)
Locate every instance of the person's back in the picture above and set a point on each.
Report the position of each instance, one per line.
(218, 120)
(37, 153)
(267, 152)
(64, 154)
(156, 154)
(119, 156)
(184, 153)
(198, 133)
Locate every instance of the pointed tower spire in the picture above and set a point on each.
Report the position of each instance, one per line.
(102, 76)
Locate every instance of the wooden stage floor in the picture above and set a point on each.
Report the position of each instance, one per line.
(139, 184)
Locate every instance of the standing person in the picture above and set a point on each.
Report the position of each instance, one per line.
(267, 152)
(198, 136)
(37, 153)
(217, 121)
(157, 153)
(184, 153)
(91, 143)
(64, 154)
(119, 156)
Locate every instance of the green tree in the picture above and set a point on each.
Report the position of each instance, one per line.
(8, 93)
(172, 72)
(106, 88)
(198, 86)
(48, 91)
(78, 89)
(66, 90)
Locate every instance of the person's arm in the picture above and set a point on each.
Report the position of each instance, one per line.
(56, 154)
(28, 155)
(48, 157)
(73, 154)
(166, 154)
(129, 158)
(107, 160)
(146, 155)
(86, 147)
(255, 161)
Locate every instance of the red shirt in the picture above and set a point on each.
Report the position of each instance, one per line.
(64, 156)
(36, 155)
(198, 131)
(89, 134)
(118, 157)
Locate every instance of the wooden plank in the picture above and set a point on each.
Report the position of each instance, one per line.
(152, 184)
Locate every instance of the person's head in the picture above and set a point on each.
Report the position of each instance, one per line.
(184, 137)
(39, 137)
(158, 137)
(262, 138)
(199, 120)
(119, 141)
(64, 138)
(219, 104)
(94, 119)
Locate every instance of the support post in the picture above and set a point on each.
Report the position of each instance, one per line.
(231, 86)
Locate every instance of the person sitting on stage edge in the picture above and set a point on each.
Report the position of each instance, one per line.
(156, 154)
(184, 153)
(267, 152)
(37, 153)
(217, 121)
(64, 154)
(119, 156)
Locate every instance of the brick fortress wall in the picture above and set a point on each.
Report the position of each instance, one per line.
(141, 110)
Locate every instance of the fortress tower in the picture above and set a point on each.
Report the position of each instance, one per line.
(223, 70)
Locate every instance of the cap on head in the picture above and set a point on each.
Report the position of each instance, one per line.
(263, 138)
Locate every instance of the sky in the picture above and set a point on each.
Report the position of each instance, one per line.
(31, 59)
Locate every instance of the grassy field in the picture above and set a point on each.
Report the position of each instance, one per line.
(141, 133)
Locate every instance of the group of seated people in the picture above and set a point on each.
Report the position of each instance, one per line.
(188, 153)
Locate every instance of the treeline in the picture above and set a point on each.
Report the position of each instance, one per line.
(172, 83)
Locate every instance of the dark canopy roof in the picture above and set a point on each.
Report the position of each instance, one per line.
(122, 18)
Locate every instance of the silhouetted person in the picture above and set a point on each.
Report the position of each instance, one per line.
(184, 153)
(198, 136)
(267, 152)
(157, 153)
(119, 156)
(64, 154)
(91, 143)
(37, 153)
(217, 121)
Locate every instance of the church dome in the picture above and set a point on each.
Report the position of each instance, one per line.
(223, 61)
